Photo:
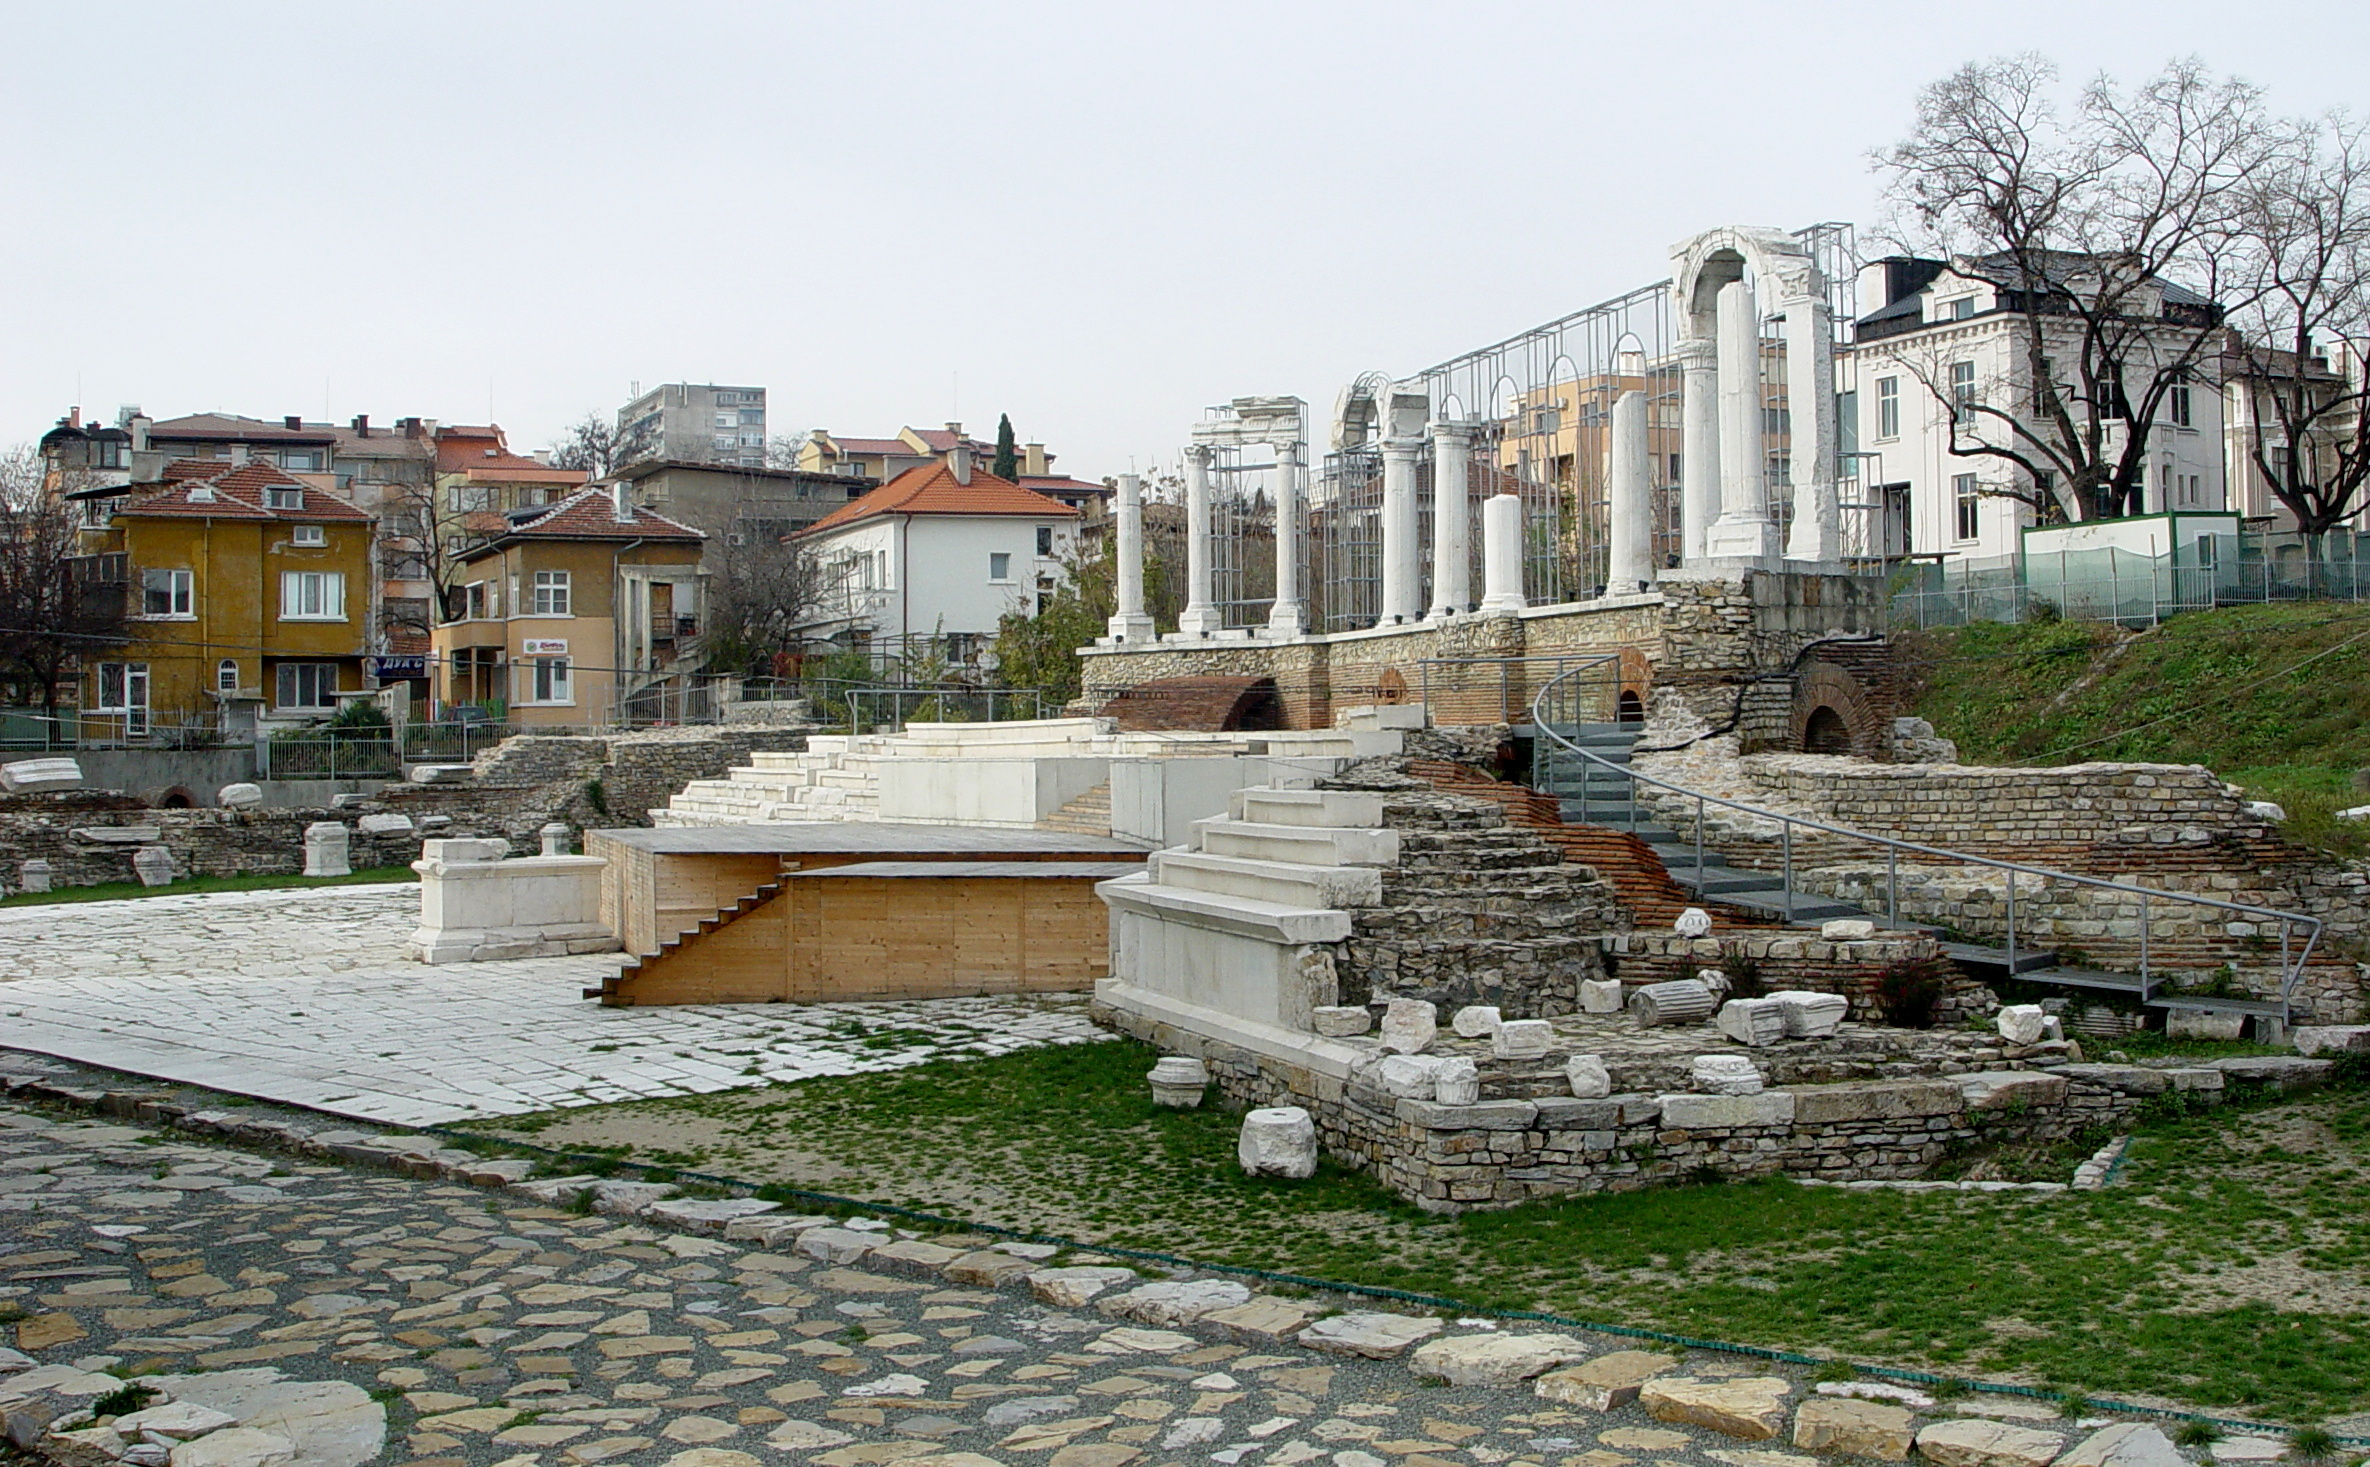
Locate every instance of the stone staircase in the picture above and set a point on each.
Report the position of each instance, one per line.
(1599, 791)
(833, 780)
(1089, 814)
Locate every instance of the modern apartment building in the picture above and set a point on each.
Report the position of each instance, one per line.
(694, 423)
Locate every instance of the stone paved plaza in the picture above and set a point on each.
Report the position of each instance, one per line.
(306, 997)
(496, 1329)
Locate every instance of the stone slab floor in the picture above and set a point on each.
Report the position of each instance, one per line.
(306, 998)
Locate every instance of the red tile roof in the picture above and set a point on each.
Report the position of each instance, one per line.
(483, 453)
(591, 514)
(236, 492)
(933, 489)
(1061, 484)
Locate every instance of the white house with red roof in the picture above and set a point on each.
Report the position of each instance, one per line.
(936, 556)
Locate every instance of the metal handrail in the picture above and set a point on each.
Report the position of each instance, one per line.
(2290, 973)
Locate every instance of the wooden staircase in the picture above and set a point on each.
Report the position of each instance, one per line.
(1089, 814)
(617, 990)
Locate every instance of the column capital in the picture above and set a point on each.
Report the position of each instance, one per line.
(1454, 430)
(1403, 448)
(1199, 454)
(1288, 454)
(1698, 354)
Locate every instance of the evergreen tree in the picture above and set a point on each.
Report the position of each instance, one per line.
(1007, 465)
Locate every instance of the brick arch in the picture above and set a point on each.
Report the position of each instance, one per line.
(1826, 696)
(1635, 674)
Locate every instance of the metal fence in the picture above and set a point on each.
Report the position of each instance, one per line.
(2251, 568)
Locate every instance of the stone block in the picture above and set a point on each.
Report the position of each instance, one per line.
(326, 847)
(1075, 1288)
(1978, 1443)
(1811, 1015)
(1752, 1407)
(2125, 1444)
(1600, 995)
(1457, 1082)
(154, 865)
(1409, 1076)
(1179, 1082)
(2021, 1023)
(1341, 1022)
(2010, 1089)
(1877, 1100)
(835, 1245)
(1854, 1428)
(2203, 1024)
(1752, 1021)
(237, 1446)
(1265, 1320)
(1173, 1305)
(1606, 1383)
(1724, 1074)
(1488, 1115)
(1847, 929)
(1495, 1359)
(707, 1215)
(988, 1268)
(1369, 1334)
(1409, 1025)
(239, 796)
(36, 875)
(1684, 1001)
(1727, 1112)
(1522, 1039)
(1476, 1021)
(2316, 1039)
(384, 825)
(1694, 922)
(1280, 1141)
(1588, 1077)
(912, 1258)
(1575, 1113)
(22, 775)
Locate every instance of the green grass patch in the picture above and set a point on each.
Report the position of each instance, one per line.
(2247, 1223)
(112, 891)
(2276, 698)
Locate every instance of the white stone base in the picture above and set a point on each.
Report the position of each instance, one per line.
(477, 909)
(500, 944)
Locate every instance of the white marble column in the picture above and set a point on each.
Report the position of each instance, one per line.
(1128, 622)
(1629, 499)
(1452, 549)
(1817, 531)
(1402, 563)
(1289, 616)
(1744, 530)
(1501, 555)
(1200, 617)
(1699, 446)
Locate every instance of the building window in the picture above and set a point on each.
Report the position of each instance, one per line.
(107, 453)
(551, 680)
(551, 593)
(312, 596)
(283, 498)
(728, 420)
(1963, 308)
(1970, 506)
(307, 684)
(165, 593)
(301, 461)
(1045, 539)
(2182, 407)
(96, 512)
(999, 566)
(311, 535)
(752, 417)
(123, 686)
(1962, 393)
(1888, 408)
(472, 498)
(725, 441)
(852, 469)
(226, 675)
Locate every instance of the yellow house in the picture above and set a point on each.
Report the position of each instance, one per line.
(247, 596)
(571, 611)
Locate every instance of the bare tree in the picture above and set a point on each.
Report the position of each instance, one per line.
(590, 443)
(2301, 352)
(2114, 233)
(782, 450)
(56, 604)
(762, 591)
(20, 476)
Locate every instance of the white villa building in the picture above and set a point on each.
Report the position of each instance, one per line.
(1942, 332)
(939, 553)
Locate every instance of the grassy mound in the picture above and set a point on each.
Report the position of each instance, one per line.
(2275, 698)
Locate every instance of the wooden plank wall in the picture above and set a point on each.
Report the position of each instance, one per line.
(910, 937)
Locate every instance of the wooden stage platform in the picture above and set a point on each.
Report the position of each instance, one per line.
(853, 910)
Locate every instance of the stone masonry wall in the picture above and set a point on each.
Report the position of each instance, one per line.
(254, 842)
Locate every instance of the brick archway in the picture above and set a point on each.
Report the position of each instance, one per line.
(1833, 713)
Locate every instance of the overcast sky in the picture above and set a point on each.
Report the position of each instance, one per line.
(1097, 217)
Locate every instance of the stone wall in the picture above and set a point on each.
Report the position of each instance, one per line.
(1872, 975)
(205, 842)
(1729, 647)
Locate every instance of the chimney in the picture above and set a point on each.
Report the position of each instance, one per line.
(74, 417)
(139, 428)
(957, 430)
(362, 424)
(238, 453)
(620, 503)
(1033, 461)
(294, 423)
(958, 459)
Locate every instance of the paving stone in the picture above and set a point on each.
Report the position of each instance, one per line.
(1070, 1288)
(1495, 1359)
(1751, 1407)
(707, 1215)
(1605, 1383)
(1264, 1320)
(1371, 1334)
(1174, 1304)
(1854, 1428)
(988, 1268)
(1972, 1442)
(2126, 1444)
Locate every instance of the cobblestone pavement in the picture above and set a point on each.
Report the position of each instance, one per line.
(306, 997)
(497, 1329)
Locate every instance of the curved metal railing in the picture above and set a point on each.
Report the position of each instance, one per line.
(2292, 961)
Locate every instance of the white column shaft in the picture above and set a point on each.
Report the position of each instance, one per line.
(1201, 615)
(1402, 577)
(1629, 480)
(1452, 550)
(1699, 447)
(1128, 621)
(1744, 530)
(1817, 531)
(1501, 554)
(1289, 616)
